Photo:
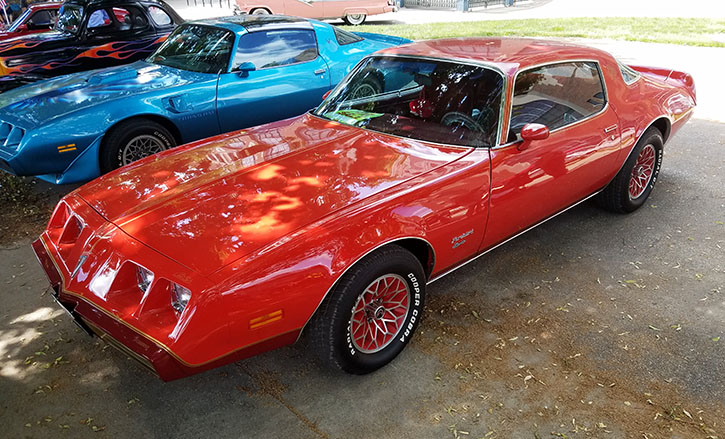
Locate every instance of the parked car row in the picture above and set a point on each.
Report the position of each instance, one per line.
(331, 219)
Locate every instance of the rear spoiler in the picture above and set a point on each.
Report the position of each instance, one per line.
(385, 39)
(674, 78)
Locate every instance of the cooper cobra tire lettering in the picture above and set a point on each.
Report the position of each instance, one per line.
(372, 313)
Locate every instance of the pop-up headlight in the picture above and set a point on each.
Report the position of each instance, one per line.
(179, 297)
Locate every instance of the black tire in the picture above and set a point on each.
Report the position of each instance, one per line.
(355, 19)
(260, 11)
(115, 147)
(617, 197)
(331, 329)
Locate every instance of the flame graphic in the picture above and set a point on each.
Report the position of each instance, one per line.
(11, 45)
(116, 50)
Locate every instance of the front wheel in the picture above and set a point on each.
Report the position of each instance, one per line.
(355, 19)
(133, 140)
(372, 313)
(631, 187)
(260, 11)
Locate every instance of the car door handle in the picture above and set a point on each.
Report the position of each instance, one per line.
(320, 71)
(610, 129)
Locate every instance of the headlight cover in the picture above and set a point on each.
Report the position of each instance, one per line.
(144, 278)
(179, 297)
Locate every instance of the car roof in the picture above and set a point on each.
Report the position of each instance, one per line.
(252, 23)
(508, 54)
(45, 5)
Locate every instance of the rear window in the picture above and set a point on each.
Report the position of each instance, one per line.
(344, 37)
(556, 95)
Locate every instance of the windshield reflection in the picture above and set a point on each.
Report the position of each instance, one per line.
(435, 101)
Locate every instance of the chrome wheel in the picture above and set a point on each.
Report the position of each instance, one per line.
(642, 172)
(363, 90)
(140, 147)
(379, 313)
(355, 19)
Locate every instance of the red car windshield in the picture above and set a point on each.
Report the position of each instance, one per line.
(434, 101)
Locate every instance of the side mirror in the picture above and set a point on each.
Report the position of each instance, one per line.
(244, 69)
(531, 132)
(327, 93)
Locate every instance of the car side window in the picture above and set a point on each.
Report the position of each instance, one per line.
(556, 95)
(275, 48)
(42, 20)
(159, 16)
(116, 19)
(99, 18)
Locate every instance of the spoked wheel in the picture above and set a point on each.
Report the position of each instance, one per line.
(355, 19)
(140, 147)
(642, 172)
(372, 312)
(379, 313)
(631, 187)
(133, 140)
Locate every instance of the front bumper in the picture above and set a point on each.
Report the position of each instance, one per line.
(99, 322)
(151, 353)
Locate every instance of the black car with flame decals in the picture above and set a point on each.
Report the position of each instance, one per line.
(89, 34)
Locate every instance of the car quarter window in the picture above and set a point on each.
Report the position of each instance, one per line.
(628, 74)
(344, 37)
(556, 95)
(159, 16)
(275, 48)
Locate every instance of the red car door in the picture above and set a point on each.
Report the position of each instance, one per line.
(532, 180)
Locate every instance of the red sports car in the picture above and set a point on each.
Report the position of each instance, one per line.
(37, 18)
(332, 223)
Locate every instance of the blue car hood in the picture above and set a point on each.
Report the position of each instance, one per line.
(39, 103)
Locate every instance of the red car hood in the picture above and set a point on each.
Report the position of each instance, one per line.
(209, 203)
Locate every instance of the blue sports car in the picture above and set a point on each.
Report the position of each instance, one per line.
(209, 77)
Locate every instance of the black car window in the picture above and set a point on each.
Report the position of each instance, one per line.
(116, 19)
(556, 95)
(70, 17)
(159, 16)
(344, 37)
(197, 48)
(274, 48)
(41, 20)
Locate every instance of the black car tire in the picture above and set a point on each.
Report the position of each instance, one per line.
(332, 329)
(618, 196)
(115, 146)
(355, 19)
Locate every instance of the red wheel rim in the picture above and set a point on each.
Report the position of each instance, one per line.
(379, 313)
(642, 172)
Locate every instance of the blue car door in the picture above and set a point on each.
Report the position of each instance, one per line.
(275, 74)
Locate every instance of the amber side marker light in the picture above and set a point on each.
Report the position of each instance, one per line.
(265, 319)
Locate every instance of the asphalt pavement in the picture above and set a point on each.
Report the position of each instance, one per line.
(591, 325)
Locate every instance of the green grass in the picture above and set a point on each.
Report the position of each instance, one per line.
(685, 31)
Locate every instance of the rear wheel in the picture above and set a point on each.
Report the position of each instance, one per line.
(372, 312)
(355, 19)
(133, 140)
(631, 187)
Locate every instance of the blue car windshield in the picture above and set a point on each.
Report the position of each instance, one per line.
(434, 101)
(70, 17)
(196, 48)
